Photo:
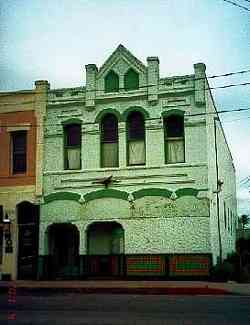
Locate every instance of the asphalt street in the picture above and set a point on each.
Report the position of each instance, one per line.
(97, 309)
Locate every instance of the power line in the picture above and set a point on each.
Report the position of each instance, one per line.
(225, 74)
(246, 0)
(181, 79)
(95, 90)
(237, 5)
(155, 118)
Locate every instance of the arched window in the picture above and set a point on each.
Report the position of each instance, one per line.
(109, 141)
(131, 80)
(136, 139)
(174, 139)
(72, 146)
(111, 82)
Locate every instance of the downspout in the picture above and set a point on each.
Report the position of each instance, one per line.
(217, 191)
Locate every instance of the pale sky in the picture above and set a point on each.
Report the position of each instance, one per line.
(54, 39)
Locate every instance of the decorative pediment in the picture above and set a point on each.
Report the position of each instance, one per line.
(119, 61)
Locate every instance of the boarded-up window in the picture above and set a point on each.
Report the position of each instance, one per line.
(72, 146)
(109, 141)
(174, 139)
(19, 152)
(111, 82)
(136, 139)
(131, 80)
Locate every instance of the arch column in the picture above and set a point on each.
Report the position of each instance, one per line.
(122, 144)
(43, 251)
(154, 131)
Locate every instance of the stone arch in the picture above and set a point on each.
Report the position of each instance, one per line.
(72, 196)
(106, 193)
(72, 121)
(167, 113)
(187, 191)
(140, 109)
(152, 192)
(113, 111)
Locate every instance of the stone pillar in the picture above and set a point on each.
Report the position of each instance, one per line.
(155, 155)
(43, 251)
(200, 83)
(91, 72)
(122, 144)
(92, 146)
(153, 78)
(41, 97)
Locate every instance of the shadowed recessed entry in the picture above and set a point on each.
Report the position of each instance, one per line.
(28, 230)
(63, 251)
(105, 243)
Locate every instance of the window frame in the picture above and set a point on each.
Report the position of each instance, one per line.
(128, 139)
(166, 139)
(126, 75)
(106, 141)
(13, 154)
(107, 88)
(66, 146)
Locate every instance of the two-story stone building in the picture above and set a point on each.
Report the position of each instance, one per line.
(138, 176)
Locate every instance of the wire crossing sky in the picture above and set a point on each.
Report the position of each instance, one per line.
(54, 40)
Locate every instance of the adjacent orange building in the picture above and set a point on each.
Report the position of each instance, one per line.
(21, 138)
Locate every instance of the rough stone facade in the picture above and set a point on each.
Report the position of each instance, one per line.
(163, 208)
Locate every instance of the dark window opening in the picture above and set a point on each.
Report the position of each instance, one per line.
(19, 152)
(131, 80)
(111, 82)
(136, 139)
(72, 146)
(109, 141)
(174, 139)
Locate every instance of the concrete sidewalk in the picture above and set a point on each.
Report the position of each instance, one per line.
(131, 287)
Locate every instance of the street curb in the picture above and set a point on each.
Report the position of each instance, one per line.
(134, 290)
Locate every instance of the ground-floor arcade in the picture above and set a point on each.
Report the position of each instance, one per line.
(105, 256)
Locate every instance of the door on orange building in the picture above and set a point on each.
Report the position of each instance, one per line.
(28, 232)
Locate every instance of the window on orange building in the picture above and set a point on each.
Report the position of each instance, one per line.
(19, 152)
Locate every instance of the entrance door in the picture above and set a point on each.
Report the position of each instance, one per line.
(28, 232)
(105, 249)
(64, 251)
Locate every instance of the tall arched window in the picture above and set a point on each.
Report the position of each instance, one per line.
(111, 82)
(109, 141)
(136, 139)
(174, 139)
(131, 80)
(72, 146)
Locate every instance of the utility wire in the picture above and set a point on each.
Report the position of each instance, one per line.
(181, 79)
(155, 118)
(62, 101)
(237, 5)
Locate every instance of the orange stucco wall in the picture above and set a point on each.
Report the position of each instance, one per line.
(16, 119)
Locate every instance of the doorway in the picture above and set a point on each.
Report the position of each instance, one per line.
(105, 249)
(63, 251)
(28, 234)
